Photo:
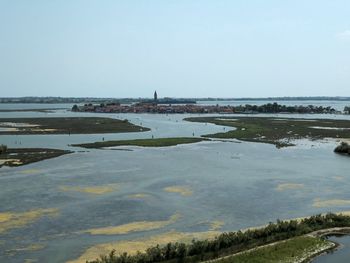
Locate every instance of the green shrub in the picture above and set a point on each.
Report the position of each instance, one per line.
(3, 149)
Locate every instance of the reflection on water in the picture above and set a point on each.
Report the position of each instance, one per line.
(341, 255)
(212, 185)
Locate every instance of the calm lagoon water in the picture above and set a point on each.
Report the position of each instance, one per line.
(240, 184)
(340, 255)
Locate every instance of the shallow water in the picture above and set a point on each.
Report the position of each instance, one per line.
(236, 184)
(341, 255)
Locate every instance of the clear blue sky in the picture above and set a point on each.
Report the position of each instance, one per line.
(181, 48)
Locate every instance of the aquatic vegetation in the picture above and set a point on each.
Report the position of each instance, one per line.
(11, 220)
(133, 227)
(138, 196)
(97, 190)
(32, 247)
(156, 142)
(289, 186)
(330, 203)
(182, 190)
(216, 225)
(30, 171)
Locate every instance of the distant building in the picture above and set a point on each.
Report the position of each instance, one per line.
(155, 96)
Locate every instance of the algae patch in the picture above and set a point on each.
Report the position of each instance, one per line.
(97, 190)
(216, 225)
(11, 220)
(132, 246)
(32, 247)
(30, 171)
(138, 196)
(331, 202)
(289, 186)
(133, 227)
(182, 190)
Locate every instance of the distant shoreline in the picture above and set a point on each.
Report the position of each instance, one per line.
(63, 100)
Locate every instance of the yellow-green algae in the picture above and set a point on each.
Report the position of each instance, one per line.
(182, 190)
(30, 171)
(216, 225)
(138, 196)
(133, 227)
(96, 190)
(11, 220)
(289, 186)
(330, 202)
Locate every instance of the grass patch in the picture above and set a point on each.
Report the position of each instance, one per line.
(293, 250)
(71, 125)
(277, 131)
(160, 142)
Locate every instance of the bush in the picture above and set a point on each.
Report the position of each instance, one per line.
(343, 148)
(3, 148)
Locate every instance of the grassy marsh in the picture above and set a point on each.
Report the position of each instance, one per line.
(69, 125)
(277, 131)
(297, 249)
(159, 142)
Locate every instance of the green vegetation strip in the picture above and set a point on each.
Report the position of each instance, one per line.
(297, 249)
(159, 142)
(22, 156)
(71, 125)
(277, 131)
(231, 243)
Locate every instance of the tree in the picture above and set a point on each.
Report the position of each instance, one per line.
(347, 109)
(3, 149)
(75, 108)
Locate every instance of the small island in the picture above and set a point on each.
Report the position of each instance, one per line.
(162, 106)
(13, 157)
(159, 142)
(70, 125)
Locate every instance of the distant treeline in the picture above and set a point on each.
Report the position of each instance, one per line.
(278, 98)
(229, 243)
(277, 108)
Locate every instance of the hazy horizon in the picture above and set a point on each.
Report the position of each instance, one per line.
(187, 49)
